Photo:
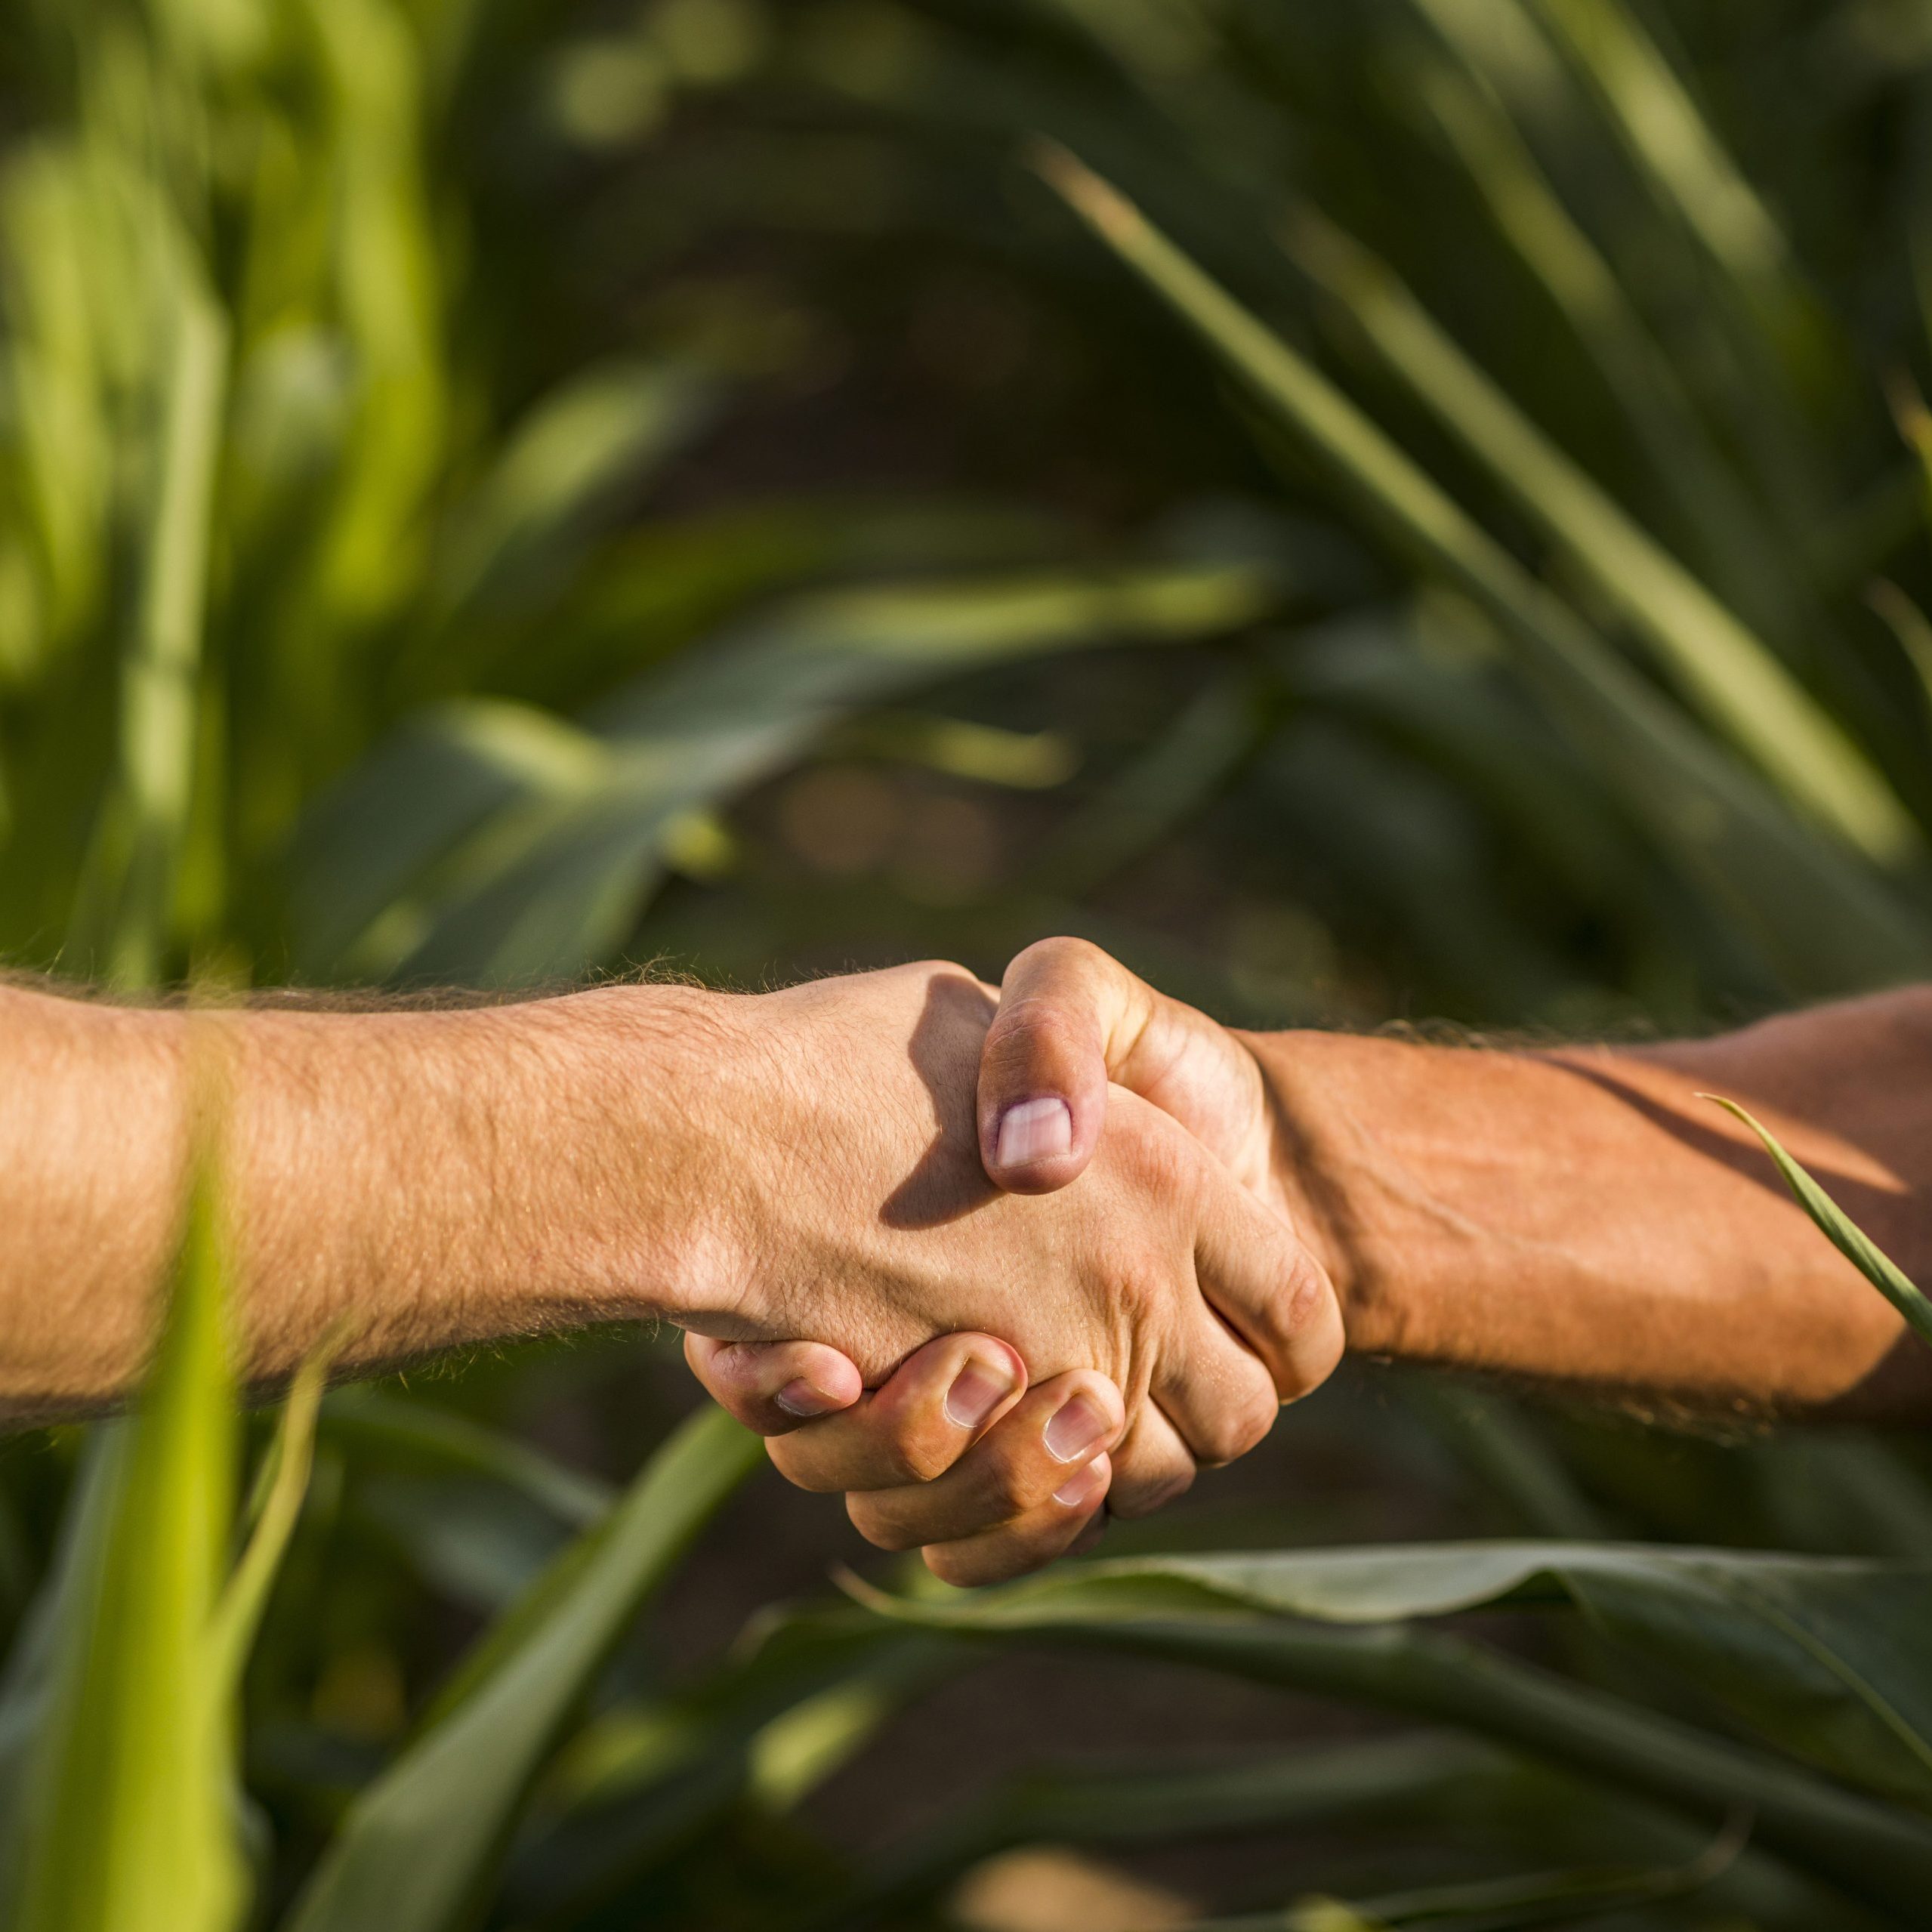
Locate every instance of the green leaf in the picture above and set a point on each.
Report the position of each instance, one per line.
(1837, 1227)
(536, 844)
(392, 1432)
(1506, 1905)
(129, 1826)
(598, 433)
(1819, 1654)
(1708, 815)
(1730, 533)
(1138, 1804)
(126, 918)
(1725, 671)
(420, 1848)
(283, 1483)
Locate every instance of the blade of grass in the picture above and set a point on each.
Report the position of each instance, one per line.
(284, 1483)
(1838, 1228)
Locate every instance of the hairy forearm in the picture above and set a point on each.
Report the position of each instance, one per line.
(1583, 1216)
(420, 1179)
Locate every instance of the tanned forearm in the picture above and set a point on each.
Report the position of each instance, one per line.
(1581, 1216)
(418, 1179)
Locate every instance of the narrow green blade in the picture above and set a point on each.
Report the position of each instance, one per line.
(1724, 671)
(1711, 816)
(420, 1848)
(128, 1824)
(1837, 1227)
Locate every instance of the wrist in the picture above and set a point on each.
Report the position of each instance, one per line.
(1315, 1086)
(451, 1176)
(630, 1121)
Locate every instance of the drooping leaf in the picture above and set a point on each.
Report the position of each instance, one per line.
(422, 1845)
(1832, 1670)
(537, 843)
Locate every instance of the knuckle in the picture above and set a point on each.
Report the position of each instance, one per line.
(1311, 1331)
(1059, 952)
(1305, 1294)
(1011, 1487)
(879, 1527)
(1238, 1426)
(798, 1468)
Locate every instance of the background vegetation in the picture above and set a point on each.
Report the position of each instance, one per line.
(492, 491)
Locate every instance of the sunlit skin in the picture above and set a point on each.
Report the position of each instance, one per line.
(798, 1162)
(1584, 1216)
(1047, 1260)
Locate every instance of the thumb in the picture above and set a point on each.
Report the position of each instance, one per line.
(1066, 1009)
(773, 1387)
(1072, 1020)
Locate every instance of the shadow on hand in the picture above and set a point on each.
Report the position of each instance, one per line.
(950, 1181)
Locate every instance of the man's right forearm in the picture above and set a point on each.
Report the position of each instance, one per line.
(1582, 1216)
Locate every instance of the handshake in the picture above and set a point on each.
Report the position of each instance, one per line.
(985, 1259)
(1037, 1246)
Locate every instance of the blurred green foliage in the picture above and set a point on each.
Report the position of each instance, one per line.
(489, 491)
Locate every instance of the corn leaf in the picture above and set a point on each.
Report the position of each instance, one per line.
(1135, 1804)
(1818, 1654)
(282, 1484)
(1725, 672)
(127, 1826)
(420, 1846)
(1837, 1227)
(1672, 142)
(394, 1434)
(1706, 814)
(1506, 1905)
(127, 916)
(1729, 533)
(536, 844)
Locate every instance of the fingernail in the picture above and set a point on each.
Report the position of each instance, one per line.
(1080, 1488)
(976, 1391)
(1033, 1131)
(801, 1400)
(1077, 1424)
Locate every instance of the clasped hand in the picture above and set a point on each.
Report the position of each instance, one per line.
(1082, 1282)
